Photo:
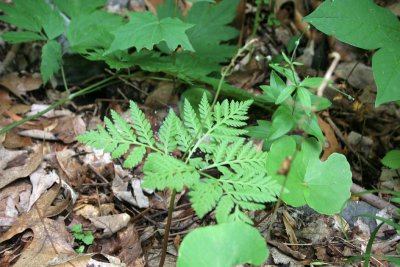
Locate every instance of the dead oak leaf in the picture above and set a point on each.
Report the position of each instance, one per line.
(51, 238)
(9, 175)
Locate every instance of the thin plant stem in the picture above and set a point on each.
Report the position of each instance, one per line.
(84, 91)
(257, 18)
(167, 227)
(64, 80)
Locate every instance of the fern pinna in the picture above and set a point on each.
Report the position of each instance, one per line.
(242, 182)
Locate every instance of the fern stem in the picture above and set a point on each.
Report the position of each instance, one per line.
(167, 228)
(64, 80)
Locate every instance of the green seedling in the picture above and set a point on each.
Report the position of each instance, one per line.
(83, 238)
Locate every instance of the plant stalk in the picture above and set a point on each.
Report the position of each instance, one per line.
(84, 91)
(167, 228)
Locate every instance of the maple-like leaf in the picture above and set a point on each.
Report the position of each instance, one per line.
(144, 30)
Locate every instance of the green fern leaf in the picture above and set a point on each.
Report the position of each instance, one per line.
(250, 187)
(224, 208)
(205, 113)
(190, 119)
(125, 129)
(141, 125)
(163, 171)
(205, 195)
(167, 133)
(183, 138)
(239, 156)
(135, 157)
(120, 150)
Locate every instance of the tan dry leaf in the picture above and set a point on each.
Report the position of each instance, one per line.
(68, 128)
(111, 224)
(30, 219)
(20, 85)
(9, 175)
(13, 140)
(13, 200)
(51, 240)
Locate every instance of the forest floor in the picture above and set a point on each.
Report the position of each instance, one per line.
(49, 182)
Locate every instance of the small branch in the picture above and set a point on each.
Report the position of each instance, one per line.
(328, 74)
(374, 200)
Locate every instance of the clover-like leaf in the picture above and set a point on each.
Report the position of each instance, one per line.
(227, 244)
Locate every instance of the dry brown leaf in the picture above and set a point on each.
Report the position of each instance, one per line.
(68, 128)
(41, 180)
(111, 224)
(13, 200)
(20, 85)
(51, 239)
(85, 260)
(30, 219)
(13, 140)
(131, 249)
(70, 166)
(332, 144)
(8, 175)
(39, 134)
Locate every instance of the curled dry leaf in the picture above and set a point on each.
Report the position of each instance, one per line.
(8, 175)
(84, 260)
(131, 249)
(20, 85)
(68, 128)
(39, 134)
(41, 180)
(51, 238)
(11, 197)
(36, 108)
(111, 224)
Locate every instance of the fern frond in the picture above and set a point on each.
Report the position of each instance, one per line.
(224, 209)
(205, 195)
(239, 156)
(167, 133)
(135, 157)
(205, 113)
(141, 125)
(183, 137)
(125, 128)
(231, 114)
(163, 171)
(190, 119)
(250, 187)
(99, 139)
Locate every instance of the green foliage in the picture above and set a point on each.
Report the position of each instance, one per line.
(83, 238)
(236, 243)
(200, 36)
(242, 183)
(297, 104)
(363, 24)
(75, 8)
(40, 22)
(324, 186)
(392, 159)
(144, 30)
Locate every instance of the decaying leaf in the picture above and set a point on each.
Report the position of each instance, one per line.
(8, 175)
(20, 85)
(41, 181)
(111, 224)
(51, 239)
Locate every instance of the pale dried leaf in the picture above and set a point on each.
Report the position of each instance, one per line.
(111, 224)
(11, 174)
